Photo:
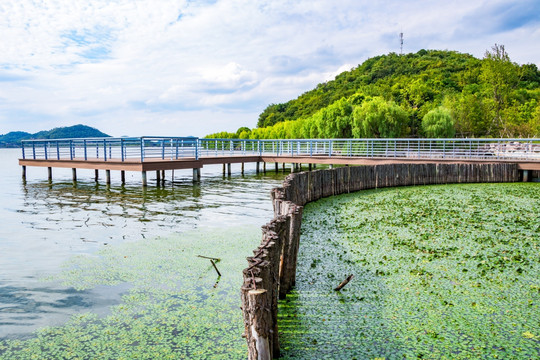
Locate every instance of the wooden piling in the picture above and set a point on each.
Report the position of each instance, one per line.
(229, 169)
(144, 178)
(242, 170)
(123, 177)
(260, 321)
(108, 177)
(74, 174)
(24, 172)
(158, 177)
(96, 175)
(49, 173)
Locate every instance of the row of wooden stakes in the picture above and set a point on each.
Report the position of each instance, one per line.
(271, 271)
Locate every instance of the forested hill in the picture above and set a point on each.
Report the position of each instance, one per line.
(431, 93)
(13, 139)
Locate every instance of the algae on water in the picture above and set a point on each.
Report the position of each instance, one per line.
(441, 272)
(176, 307)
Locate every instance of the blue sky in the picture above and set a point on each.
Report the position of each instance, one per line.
(179, 67)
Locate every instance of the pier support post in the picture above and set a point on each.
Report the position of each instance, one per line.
(74, 174)
(525, 175)
(196, 175)
(144, 181)
(264, 167)
(108, 177)
(49, 173)
(314, 166)
(223, 169)
(277, 167)
(242, 168)
(158, 177)
(293, 167)
(229, 169)
(310, 167)
(258, 167)
(96, 175)
(24, 172)
(283, 167)
(123, 176)
(163, 177)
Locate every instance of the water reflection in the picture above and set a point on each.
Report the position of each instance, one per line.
(43, 224)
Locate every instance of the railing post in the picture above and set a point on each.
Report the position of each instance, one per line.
(22, 148)
(259, 146)
(444, 149)
(162, 149)
(142, 155)
(57, 151)
(311, 148)
(85, 150)
(330, 148)
(197, 149)
(97, 150)
(105, 150)
(122, 149)
(34, 150)
(45, 148)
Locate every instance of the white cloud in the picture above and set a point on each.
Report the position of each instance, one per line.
(132, 67)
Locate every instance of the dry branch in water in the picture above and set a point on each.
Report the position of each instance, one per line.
(344, 282)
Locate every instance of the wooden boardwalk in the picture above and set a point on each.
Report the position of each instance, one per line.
(161, 154)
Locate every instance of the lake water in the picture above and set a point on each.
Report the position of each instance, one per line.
(43, 226)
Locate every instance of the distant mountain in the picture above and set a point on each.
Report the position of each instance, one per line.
(13, 139)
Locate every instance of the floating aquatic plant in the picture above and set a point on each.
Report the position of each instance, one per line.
(176, 306)
(441, 272)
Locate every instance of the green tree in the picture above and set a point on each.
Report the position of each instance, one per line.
(379, 119)
(438, 123)
(500, 76)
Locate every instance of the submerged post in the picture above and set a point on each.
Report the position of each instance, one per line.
(144, 182)
(24, 172)
(123, 177)
(108, 177)
(74, 174)
(96, 175)
(196, 174)
(49, 173)
(229, 169)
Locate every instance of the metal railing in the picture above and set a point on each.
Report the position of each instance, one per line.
(107, 149)
(174, 148)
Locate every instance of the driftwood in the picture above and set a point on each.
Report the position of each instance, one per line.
(210, 258)
(215, 267)
(344, 282)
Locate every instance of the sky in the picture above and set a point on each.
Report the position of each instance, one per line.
(190, 68)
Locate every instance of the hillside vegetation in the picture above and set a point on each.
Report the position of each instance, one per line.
(13, 139)
(431, 93)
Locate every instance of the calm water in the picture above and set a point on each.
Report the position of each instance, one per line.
(43, 225)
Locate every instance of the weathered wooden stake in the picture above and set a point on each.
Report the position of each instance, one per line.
(259, 325)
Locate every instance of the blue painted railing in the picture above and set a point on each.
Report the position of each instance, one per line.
(175, 148)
